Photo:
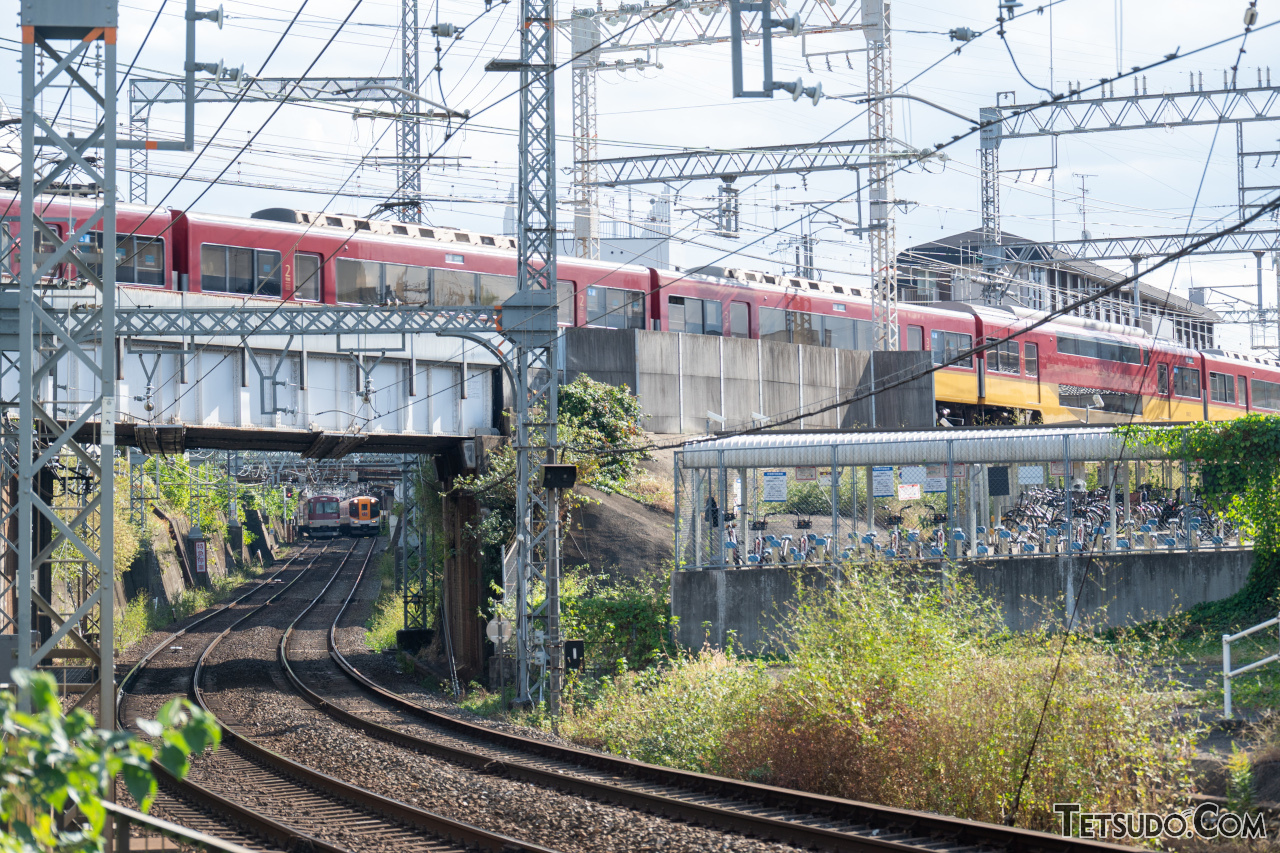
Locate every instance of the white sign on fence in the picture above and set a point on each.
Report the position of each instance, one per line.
(806, 474)
(775, 487)
(882, 481)
(909, 492)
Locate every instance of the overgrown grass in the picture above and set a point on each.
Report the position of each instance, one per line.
(388, 610)
(909, 692)
(145, 614)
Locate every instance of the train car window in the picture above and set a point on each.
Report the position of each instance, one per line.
(915, 338)
(1266, 395)
(947, 345)
(145, 257)
(1162, 379)
(266, 265)
(564, 304)
(618, 308)
(496, 289)
(239, 270)
(739, 320)
(139, 260)
(359, 281)
(773, 325)
(1186, 382)
(803, 328)
(712, 317)
(223, 269)
(306, 271)
(453, 287)
(1006, 357)
(1242, 390)
(1100, 349)
(675, 311)
(213, 268)
(683, 313)
(1222, 388)
(409, 285)
(1031, 359)
(838, 332)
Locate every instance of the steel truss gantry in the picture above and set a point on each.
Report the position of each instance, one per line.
(664, 25)
(1155, 246)
(1111, 112)
(736, 163)
(144, 93)
(51, 345)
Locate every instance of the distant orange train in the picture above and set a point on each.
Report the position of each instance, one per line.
(360, 516)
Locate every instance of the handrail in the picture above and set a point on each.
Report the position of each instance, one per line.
(1228, 673)
(125, 816)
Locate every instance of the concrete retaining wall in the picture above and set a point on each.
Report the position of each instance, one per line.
(1120, 590)
(679, 378)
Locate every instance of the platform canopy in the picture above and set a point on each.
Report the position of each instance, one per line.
(991, 445)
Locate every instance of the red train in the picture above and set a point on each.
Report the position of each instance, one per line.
(316, 517)
(1051, 374)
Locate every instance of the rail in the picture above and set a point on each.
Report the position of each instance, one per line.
(148, 825)
(1228, 673)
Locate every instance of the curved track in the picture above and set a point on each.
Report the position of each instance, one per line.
(249, 789)
(333, 685)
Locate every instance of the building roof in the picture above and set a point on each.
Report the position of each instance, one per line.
(972, 241)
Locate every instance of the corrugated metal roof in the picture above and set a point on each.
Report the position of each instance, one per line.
(916, 448)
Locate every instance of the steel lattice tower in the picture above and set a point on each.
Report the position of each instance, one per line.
(884, 275)
(989, 175)
(56, 343)
(586, 195)
(537, 519)
(408, 130)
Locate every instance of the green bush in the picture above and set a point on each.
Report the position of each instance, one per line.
(910, 693)
(51, 762)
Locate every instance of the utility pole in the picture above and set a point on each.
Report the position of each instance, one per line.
(884, 270)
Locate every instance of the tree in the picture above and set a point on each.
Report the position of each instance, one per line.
(1240, 477)
(51, 762)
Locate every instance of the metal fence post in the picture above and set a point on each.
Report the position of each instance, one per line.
(1066, 489)
(1226, 676)
(833, 539)
(1111, 505)
(951, 500)
(723, 528)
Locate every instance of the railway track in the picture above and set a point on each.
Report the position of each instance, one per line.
(245, 788)
(337, 688)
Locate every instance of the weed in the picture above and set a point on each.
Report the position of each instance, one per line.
(1239, 781)
(907, 692)
(388, 611)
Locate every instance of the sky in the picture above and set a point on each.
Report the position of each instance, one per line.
(313, 157)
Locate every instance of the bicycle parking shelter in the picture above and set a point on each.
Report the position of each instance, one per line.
(823, 497)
